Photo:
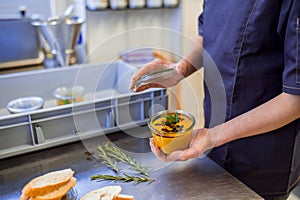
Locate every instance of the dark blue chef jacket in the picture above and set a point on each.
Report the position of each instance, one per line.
(255, 45)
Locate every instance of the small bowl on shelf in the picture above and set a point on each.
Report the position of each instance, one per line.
(67, 95)
(172, 130)
(25, 104)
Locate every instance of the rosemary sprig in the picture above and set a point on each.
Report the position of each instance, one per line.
(107, 160)
(119, 155)
(125, 178)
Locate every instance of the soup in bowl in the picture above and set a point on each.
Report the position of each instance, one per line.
(172, 130)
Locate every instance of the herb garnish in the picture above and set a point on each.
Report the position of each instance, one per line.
(170, 123)
(170, 119)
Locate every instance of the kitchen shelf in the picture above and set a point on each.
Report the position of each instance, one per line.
(110, 108)
(129, 9)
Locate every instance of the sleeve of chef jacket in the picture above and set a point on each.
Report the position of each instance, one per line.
(289, 30)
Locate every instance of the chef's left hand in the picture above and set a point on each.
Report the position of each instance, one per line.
(199, 144)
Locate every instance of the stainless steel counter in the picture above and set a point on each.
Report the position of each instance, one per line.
(194, 179)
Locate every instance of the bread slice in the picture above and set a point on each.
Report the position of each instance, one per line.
(123, 197)
(47, 183)
(23, 197)
(59, 192)
(105, 193)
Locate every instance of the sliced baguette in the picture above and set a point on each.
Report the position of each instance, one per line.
(59, 192)
(47, 183)
(23, 197)
(105, 193)
(123, 197)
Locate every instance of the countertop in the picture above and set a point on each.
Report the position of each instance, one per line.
(199, 178)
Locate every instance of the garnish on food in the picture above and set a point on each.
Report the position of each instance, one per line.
(171, 123)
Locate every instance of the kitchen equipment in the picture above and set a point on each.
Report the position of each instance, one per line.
(25, 104)
(171, 3)
(67, 95)
(96, 4)
(160, 76)
(154, 3)
(118, 4)
(18, 49)
(133, 4)
(59, 36)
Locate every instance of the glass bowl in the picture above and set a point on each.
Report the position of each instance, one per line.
(172, 130)
(66, 95)
(25, 104)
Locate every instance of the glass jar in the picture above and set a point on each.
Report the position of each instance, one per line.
(96, 4)
(170, 3)
(154, 3)
(118, 4)
(133, 4)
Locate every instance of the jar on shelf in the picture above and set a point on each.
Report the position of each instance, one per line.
(118, 4)
(96, 4)
(133, 4)
(171, 3)
(154, 3)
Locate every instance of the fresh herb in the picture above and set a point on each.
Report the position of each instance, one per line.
(107, 160)
(170, 119)
(169, 125)
(119, 155)
(109, 155)
(125, 178)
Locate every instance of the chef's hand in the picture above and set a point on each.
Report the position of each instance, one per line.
(199, 144)
(157, 65)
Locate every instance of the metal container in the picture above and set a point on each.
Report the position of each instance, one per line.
(154, 3)
(59, 37)
(118, 4)
(18, 49)
(133, 4)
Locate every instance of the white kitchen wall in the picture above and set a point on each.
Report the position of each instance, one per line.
(112, 32)
(190, 92)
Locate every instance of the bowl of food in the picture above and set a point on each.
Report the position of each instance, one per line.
(172, 130)
(67, 95)
(25, 104)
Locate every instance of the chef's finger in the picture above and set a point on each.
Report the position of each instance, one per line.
(185, 155)
(157, 152)
(175, 156)
(145, 87)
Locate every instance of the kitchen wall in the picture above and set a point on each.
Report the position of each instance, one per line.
(190, 92)
(113, 32)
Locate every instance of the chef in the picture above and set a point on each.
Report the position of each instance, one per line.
(255, 46)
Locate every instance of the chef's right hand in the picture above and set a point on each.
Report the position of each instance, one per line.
(157, 65)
